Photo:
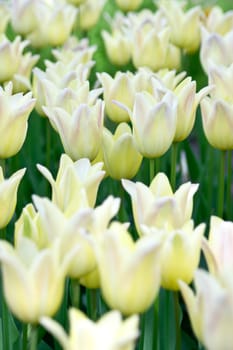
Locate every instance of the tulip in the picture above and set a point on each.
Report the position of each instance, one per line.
(121, 158)
(10, 56)
(33, 281)
(54, 23)
(22, 78)
(90, 12)
(218, 21)
(129, 271)
(117, 46)
(81, 131)
(221, 80)
(188, 101)
(75, 248)
(61, 82)
(180, 254)
(4, 17)
(217, 122)
(185, 26)
(23, 16)
(216, 49)
(14, 116)
(152, 48)
(74, 49)
(128, 5)
(210, 310)
(219, 246)
(120, 88)
(154, 122)
(76, 184)
(8, 195)
(157, 206)
(109, 332)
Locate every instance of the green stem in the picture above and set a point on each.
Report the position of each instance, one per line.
(210, 176)
(174, 153)
(75, 293)
(33, 337)
(3, 234)
(151, 169)
(177, 320)
(221, 184)
(229, 180)
(48, 144)
(142, 330)
(92, 303)
(24, 336)
(157, 165)
(5, 323)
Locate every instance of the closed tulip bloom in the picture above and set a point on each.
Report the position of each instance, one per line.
(218, 21)
(23, 16)
(154, 122)
(117, 46)
(121, 158)
(120, 88)
(54, 23)
(109, 332)
(157, 206)
(180, 254)
(185, 25)
(129, 271)
(8, 195)
(81, 131)
(128, 5)
(152, 48)
(217, 121)
(33, 281)
(211, 309)
(188, 101)
(216, 49)
(219, 246)
(221, 78)
(4, 17)
(90, 12)
(15, 111)
(76, 184)
(10, 56)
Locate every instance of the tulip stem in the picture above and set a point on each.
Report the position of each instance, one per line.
(33, 337)
(92, 303)
(48, 144)
(229, 180)
(5, 323)
(75, 293)
(177, 320)
(221, 184)
(151, 169)
(24, 336)
(174, 153)
(210, 175)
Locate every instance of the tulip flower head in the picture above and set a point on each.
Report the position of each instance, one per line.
(129, 271)
(219, 246)
(109, 332)
(210, 309)
(157, 206)
(121, 158)
(33, 280)
(8, 195)
(16, 109)
(76, 184)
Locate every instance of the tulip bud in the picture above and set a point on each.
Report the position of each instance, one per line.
(121, 158)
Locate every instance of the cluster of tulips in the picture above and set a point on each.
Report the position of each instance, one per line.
(115, 270)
